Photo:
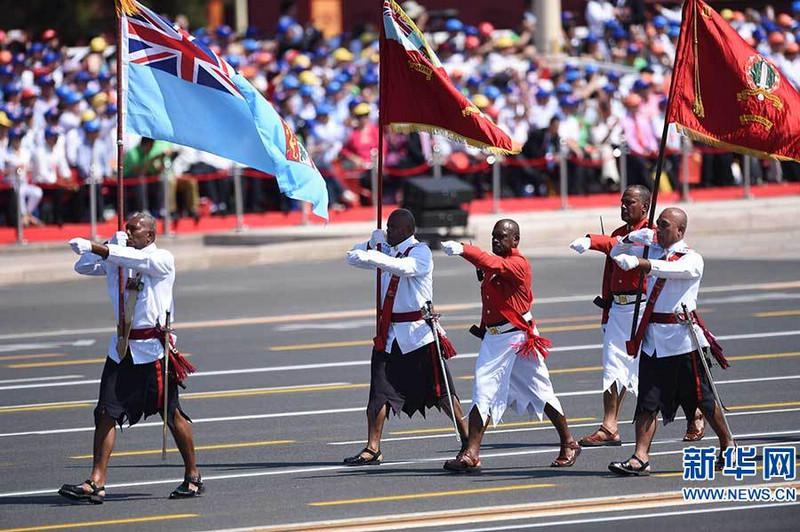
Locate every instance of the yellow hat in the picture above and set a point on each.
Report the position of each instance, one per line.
(361, 109)
(342, 54)
(88, 115)
(481, 101)
(99, 99)
(307, 77)
(4, 121)
(504, 41)
(727, 14)
(98, 44)
(301, 61)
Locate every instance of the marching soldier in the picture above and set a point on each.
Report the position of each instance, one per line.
(619, 291)
(669, 371)
(131, 385)
(510, 369)
(405, 368)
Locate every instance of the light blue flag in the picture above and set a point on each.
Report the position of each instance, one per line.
(177, 89)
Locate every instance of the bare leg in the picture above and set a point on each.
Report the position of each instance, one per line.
(718, 424)
(184, 439)
(645, 432)
(476, 430)
(559, 421)
(375, 430)
(461, 423)
(105, 435)
(612, 403)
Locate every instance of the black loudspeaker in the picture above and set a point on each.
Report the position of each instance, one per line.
(437, 202)
(427, 193)
(441, 218)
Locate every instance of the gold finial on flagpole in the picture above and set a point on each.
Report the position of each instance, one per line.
(129, 7)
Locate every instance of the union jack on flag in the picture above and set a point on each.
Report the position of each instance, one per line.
(155, 42)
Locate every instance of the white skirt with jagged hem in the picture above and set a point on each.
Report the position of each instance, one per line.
(503, 379)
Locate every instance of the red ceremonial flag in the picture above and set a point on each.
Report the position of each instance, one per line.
(727, 94)
(418, 95)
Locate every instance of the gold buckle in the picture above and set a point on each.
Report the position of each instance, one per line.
(493, 330)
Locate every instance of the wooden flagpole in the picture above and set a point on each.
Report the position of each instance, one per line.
(120, 155)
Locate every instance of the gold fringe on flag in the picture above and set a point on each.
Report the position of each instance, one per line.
(698, 108)
(128, 7)
(409, 127)
(711, 141)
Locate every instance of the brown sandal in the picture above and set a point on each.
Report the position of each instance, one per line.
(463, 463)
(602, 437)
(562, 460)
(692, 432)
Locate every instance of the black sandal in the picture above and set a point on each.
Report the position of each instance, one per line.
(626, 469)
(185, 492)
(375, 458)
(76, 492)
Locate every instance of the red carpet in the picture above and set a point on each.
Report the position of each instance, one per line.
(211, 224)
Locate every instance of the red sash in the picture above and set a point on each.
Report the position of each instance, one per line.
(632, 347)
(386, 311)
(533, 344)
(647, 317)
(179, 367)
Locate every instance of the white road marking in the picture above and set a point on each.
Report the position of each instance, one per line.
(630, 517)
(45, 345)
(366, 362)
(325, 384)
(34, 379)
(305, 470)
(333, 314)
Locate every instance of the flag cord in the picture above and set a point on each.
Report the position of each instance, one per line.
(698, 108)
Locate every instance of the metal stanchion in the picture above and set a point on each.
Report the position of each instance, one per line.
(436, 160)
(746, 162)
(686, 149)
(373, 174)
(18, 195)
(167, 188)
(495, 161)
(92, 182)
(237, 197)
(304, 208)
(623, 166)
(562, 171)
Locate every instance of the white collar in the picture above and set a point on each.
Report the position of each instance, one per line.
(405, 244)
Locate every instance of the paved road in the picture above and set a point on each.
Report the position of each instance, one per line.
(278, 401)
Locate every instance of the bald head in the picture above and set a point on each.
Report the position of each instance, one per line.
(505, 237)
(141, 229)
(671, 226)
(400, 226)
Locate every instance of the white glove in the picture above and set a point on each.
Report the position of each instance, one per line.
(642, 236)
(451, 247)
(378, 237)
(627, 262)
(121, 238)
(356, 257)
(582, 244)
(80, 245)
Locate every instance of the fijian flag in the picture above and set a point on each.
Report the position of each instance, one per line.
(177, 89)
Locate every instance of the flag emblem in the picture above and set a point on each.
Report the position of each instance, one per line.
(761, 75)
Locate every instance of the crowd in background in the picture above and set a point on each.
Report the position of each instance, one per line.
(604, 95)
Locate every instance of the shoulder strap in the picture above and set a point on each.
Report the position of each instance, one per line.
(385, 316)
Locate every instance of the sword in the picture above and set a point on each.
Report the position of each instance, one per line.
(602, 229)
(687, 320)
(167, 331)
(432, 319)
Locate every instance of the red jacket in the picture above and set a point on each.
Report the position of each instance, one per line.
(511, 276)
(615, 279)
